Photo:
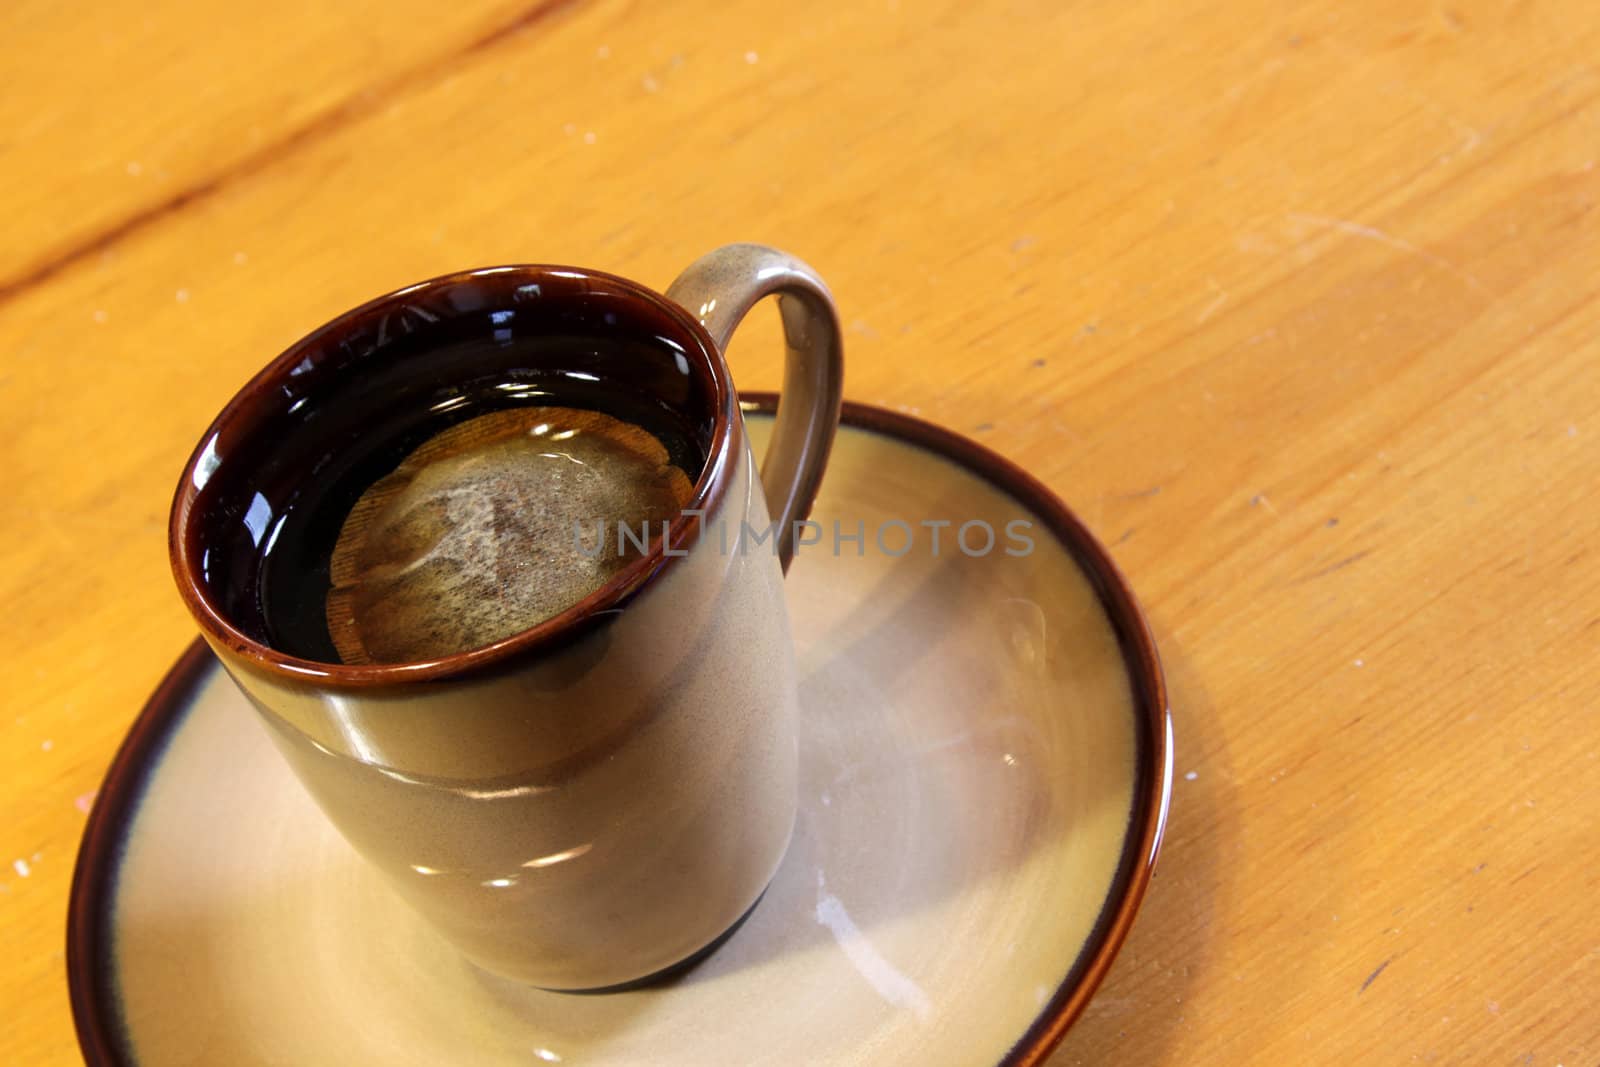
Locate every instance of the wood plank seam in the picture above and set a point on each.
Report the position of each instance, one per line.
(354, 108)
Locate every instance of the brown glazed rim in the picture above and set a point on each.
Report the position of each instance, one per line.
(246, 409)
(89, 932)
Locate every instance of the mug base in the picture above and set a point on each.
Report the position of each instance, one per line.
(671, 971)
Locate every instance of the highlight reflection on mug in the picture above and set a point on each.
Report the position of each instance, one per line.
(892, 537)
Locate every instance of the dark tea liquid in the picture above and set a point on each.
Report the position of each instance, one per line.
(278, 581)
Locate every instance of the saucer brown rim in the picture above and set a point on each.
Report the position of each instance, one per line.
(88, 918)
(247, 406)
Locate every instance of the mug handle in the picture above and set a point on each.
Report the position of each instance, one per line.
(718, 289)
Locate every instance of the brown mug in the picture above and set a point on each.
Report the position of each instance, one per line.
(598, 798)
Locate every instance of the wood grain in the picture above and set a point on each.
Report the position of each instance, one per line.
(1295, 304)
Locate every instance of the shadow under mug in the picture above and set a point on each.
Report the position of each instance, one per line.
(597, 799)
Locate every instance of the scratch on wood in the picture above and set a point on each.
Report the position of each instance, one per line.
(1260, 500)
(1372, 233)
(1337, 565)
(1211, 308)
(1373, 977)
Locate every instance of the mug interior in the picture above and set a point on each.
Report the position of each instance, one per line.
(585, 338)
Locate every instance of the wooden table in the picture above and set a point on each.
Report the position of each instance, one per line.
(1294, 303)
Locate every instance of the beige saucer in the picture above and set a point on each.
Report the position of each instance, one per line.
(985, 767)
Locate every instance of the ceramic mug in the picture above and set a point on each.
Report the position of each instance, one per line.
(597, 799)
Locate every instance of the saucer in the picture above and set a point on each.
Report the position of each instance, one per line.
(985, 768)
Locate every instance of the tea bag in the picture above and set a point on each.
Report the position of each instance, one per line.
(472, 538)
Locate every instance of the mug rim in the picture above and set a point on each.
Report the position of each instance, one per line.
(249, 406)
